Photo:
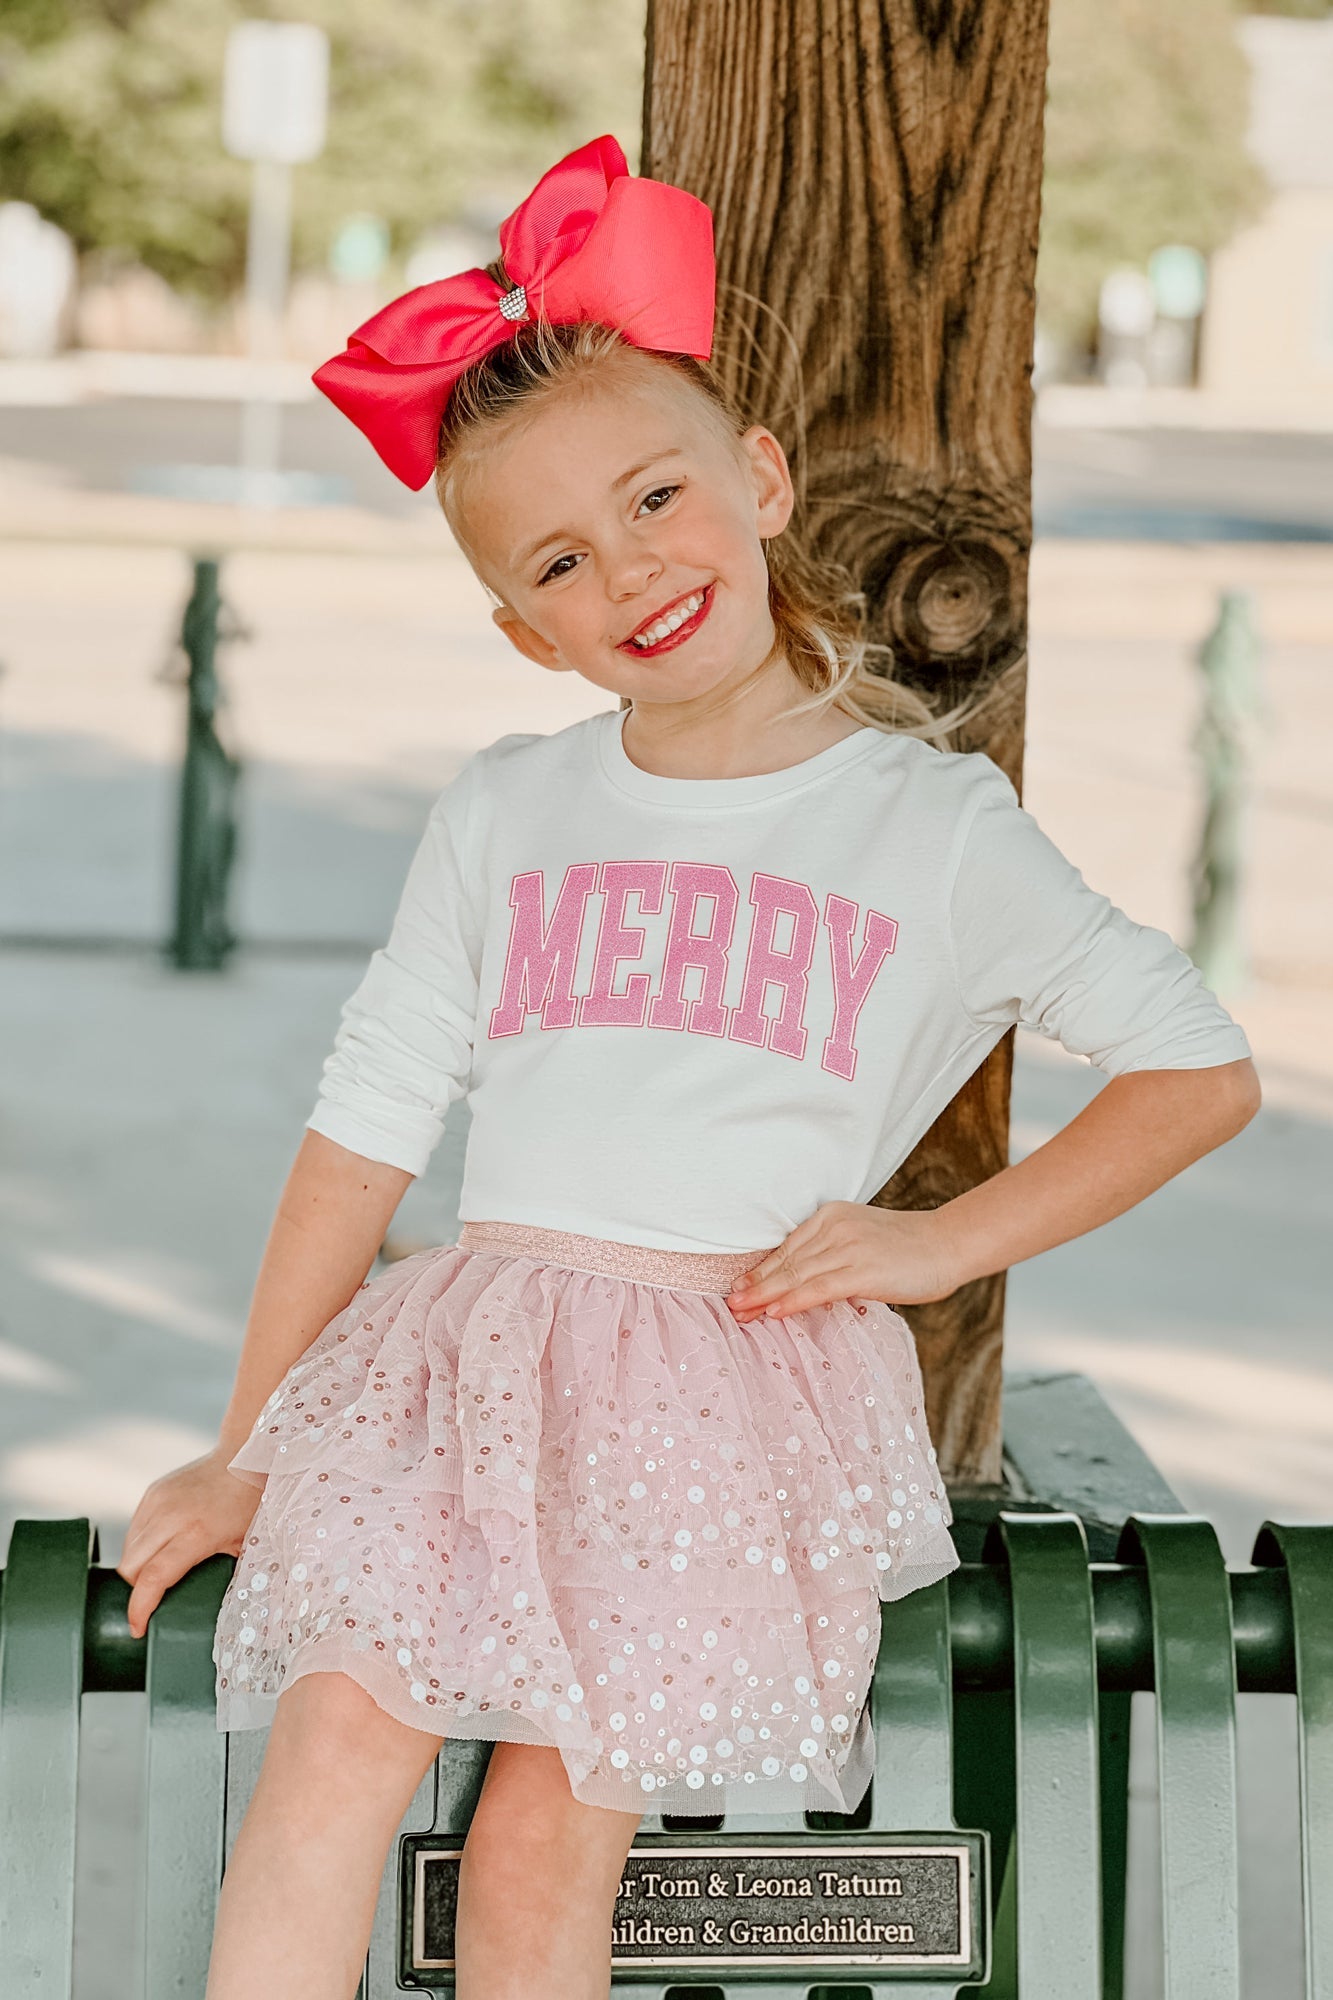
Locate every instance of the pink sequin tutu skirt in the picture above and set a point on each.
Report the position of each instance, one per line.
(544, 1488)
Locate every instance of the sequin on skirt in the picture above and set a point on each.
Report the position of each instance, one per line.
(544, 1488)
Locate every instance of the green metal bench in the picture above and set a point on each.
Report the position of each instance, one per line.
(1000, 1706)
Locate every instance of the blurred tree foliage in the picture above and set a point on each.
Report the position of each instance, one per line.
(1147, 110)
(110, 117)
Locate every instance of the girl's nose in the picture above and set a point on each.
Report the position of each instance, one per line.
(626, 587)
(630, 571)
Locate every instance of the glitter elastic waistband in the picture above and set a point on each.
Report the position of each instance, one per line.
(683, 1270)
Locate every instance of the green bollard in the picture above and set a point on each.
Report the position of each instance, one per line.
(206, 846)
(1229, 658)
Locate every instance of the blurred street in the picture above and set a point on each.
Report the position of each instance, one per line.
(130, 423)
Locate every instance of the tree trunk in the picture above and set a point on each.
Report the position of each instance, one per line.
(874, 172)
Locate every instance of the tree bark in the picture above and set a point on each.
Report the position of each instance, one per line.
(874, 172)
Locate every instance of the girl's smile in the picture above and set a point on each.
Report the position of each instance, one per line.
(672, 626)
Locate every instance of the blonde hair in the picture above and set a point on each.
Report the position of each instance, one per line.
(818, 612)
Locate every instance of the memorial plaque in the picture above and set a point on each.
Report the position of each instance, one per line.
(698, 1901)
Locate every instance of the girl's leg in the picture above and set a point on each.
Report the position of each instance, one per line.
(537, 1884)
(298, 1896)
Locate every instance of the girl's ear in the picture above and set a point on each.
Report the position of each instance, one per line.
(531, 644)
(774, 492)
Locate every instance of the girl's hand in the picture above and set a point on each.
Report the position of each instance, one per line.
(197, 1511)
(848, 1250)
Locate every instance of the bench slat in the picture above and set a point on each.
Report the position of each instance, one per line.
(186, 1780)
(1057, 1755)
(42, 1610)
(1307, 1553)
(1195, 1673)
(911, 1710)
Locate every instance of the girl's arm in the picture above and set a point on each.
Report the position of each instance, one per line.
(330, 1222)
(400, 1058)
(1140, 1130)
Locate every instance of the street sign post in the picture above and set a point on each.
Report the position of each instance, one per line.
(274, 108)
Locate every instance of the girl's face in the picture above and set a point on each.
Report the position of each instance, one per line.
(617, 506)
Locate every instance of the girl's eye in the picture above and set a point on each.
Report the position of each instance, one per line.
(555, 571)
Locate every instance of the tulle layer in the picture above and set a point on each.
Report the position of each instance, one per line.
(522, 1501)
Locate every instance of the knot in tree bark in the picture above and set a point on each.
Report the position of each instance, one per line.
(950, 601)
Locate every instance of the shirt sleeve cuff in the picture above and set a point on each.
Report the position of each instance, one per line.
(391, 1146)
(1205, 1047)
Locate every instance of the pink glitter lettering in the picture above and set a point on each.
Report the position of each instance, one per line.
(601, 1007)
(691, 880)
(541, 958)
(772, 895)
(540, 962)
(852, 978)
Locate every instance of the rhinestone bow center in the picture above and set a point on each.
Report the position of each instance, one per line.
(514, 304)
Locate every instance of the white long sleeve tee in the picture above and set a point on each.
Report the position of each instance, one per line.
(687, 1011)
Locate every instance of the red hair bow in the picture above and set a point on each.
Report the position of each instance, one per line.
(591, 242)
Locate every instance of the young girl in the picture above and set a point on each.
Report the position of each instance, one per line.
(620, 1481)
